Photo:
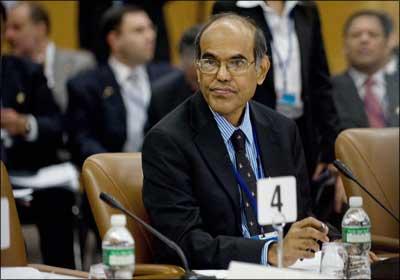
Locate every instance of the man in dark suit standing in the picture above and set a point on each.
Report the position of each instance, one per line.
(108, 105)
(365, 95)
(193, 157)
(31, 133)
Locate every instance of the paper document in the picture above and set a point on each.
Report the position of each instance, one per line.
(240, 270)
(21, 272)
(63, 174)
(309, 264)
(5, 224)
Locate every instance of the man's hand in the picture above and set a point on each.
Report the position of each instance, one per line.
(340, 193)
(13, 122)
(300, 241)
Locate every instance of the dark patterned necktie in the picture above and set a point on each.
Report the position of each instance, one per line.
(246, 172)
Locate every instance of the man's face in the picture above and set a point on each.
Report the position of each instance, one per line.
(21, 32)
(135, 40)
(365, 43)
(225, 93)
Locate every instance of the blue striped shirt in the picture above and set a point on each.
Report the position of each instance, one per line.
(227, 129)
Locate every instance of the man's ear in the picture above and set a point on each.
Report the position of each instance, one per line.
(262, 69)
(111, 39)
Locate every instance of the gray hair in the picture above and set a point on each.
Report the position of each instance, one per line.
(260, 45)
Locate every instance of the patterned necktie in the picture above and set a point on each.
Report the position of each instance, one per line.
(372, 105)
(247, 174)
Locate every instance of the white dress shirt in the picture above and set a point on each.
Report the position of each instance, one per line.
(136, 93)
(283, 33)
(378, 88)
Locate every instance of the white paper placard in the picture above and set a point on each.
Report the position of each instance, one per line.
(5, 224)
(276, 200)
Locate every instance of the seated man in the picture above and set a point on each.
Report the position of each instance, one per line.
(192, 157)
(31, 133)
(107, 108)
(174, 88)
(365, 94)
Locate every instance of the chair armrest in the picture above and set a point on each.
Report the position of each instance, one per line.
(384, 243)
(60, 270)
(157, 271)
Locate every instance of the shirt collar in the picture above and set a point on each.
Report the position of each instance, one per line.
(360, 77)
(123, 71)
(289, 5)
(227, 129)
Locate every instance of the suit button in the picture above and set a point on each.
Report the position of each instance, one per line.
(247, 204)
(251, 223)
(253, 194)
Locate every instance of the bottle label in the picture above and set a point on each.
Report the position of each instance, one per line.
(118, 257)
(356, 234)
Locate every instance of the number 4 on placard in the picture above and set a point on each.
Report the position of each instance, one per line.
(276, 200)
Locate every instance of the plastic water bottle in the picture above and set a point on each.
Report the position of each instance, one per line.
(118, 250)
(356, 234)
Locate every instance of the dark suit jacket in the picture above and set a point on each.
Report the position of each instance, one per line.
(318, 126)
(24, 89)
(350, 107)
(96, 113)
(190, 191)
(168, 92)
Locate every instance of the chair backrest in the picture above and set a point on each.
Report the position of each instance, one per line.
(120, 175)
(373, 157)
(15, 255)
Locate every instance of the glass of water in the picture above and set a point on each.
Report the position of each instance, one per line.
(97, 271)
(333, 259)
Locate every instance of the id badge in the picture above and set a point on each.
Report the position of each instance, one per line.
(266, 236)
(288, 99)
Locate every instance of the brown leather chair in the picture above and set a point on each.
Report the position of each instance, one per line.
(373, 157)
(15, 255)
(120, 175)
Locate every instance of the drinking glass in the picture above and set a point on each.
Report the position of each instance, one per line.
(97, 271)
(333, 259)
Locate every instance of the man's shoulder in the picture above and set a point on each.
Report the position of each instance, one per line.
(265, 113)
(20, 66)
(91, 77)
(341, 77)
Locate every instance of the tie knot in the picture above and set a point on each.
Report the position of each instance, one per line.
(238, 140)
(370, 81)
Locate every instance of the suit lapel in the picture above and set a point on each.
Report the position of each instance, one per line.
(114, 107)
(269, 146)
(392, 95)
(212, 148)
(357, 105)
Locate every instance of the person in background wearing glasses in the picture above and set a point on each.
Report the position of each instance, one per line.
(201, 162)
(107, 109)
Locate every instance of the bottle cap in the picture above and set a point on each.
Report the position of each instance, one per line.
(356, 201)
(118, 220)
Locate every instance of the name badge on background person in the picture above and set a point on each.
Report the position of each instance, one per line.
(289, 105)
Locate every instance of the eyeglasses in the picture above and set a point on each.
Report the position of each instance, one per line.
(235, 66)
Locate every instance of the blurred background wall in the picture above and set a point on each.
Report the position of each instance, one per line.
(180, 15)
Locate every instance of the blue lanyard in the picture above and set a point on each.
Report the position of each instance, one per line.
(242, 184)
(283, 65)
